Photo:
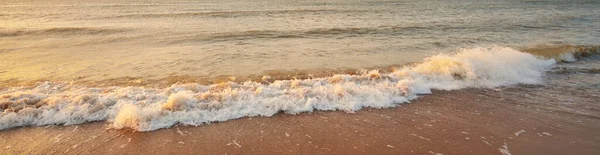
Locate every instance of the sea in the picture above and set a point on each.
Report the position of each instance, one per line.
(152, 64)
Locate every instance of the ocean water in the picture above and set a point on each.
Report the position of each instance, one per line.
(150, 64)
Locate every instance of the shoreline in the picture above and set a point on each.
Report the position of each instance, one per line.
(560, 116)
(470, 121)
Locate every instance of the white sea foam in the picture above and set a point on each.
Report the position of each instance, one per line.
(567, 57)
(147, 109)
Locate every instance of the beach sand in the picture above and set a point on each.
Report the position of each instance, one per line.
(561, 116)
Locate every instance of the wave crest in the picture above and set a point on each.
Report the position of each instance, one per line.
(147, 109)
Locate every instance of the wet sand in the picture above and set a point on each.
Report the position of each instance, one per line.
(560, 117)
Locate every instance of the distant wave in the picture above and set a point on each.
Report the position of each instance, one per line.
(231, 14)
(147, 109)
(317, 33)
(563, 53)
(334, 32)
(87, 5)
(59, 31)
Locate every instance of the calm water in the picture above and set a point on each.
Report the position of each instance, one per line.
(92, 41)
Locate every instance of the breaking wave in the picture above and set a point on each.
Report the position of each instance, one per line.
(147, 109)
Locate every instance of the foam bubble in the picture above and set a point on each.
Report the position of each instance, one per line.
(180, 101)
(147, 109)
(567, 57)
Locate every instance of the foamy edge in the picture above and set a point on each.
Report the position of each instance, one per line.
(147, 109)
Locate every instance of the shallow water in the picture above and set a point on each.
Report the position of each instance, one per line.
(96, 41)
